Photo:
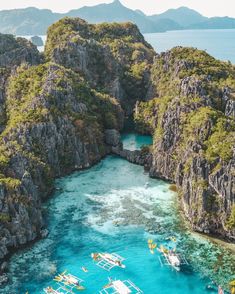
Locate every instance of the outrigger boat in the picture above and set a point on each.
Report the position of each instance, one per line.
(69, 280)
(120, 287)
(108, 261)
(171, 258)
(67, 284)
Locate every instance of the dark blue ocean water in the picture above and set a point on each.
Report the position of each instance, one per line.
(218, 43)
(116, 207)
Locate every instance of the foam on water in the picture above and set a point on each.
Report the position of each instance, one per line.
(111, 208)
(132, 141)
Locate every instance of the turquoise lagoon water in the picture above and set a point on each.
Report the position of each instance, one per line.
(218, 43)
(116, 207)
(132, 141)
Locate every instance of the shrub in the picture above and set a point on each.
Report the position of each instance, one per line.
(173, 188)
(231, 221)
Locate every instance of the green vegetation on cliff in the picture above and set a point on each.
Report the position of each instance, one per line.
(188, 79)
(30, 101)
(192, 74)
(45, 94)
(114, 58)
(75, 29)
(192, 121)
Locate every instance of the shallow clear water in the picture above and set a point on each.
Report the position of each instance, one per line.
(218, 43)
(132, 141)
(116, 207)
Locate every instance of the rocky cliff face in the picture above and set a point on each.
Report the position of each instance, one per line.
(13, 52)
(192, 120)
(55, 125)
(59, 114)
(114, 58)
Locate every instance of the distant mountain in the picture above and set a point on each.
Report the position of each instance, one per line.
(183, 16)
(166, 24)
(33, 21)
(215, 23)
(114, 12)
(28, 21)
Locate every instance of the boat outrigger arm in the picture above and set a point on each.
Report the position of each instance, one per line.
(66, 284)
(120, 287)
(60, 290)
(107, 261)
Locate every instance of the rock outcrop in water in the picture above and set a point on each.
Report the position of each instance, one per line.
(192, 119)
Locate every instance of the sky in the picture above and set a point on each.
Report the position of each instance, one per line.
(206, 7)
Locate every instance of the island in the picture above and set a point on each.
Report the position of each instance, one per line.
(64, 112)
(36, 40)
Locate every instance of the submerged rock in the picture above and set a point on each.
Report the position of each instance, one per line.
(3, 267)
(44, 233)
(3, 279)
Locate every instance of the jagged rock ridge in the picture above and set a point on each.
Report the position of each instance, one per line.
(114, 58)
(192, 119)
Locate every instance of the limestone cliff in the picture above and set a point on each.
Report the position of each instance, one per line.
(192, 120)
(62, 113)
(114, 58)
(55, 125)
(13, 52)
